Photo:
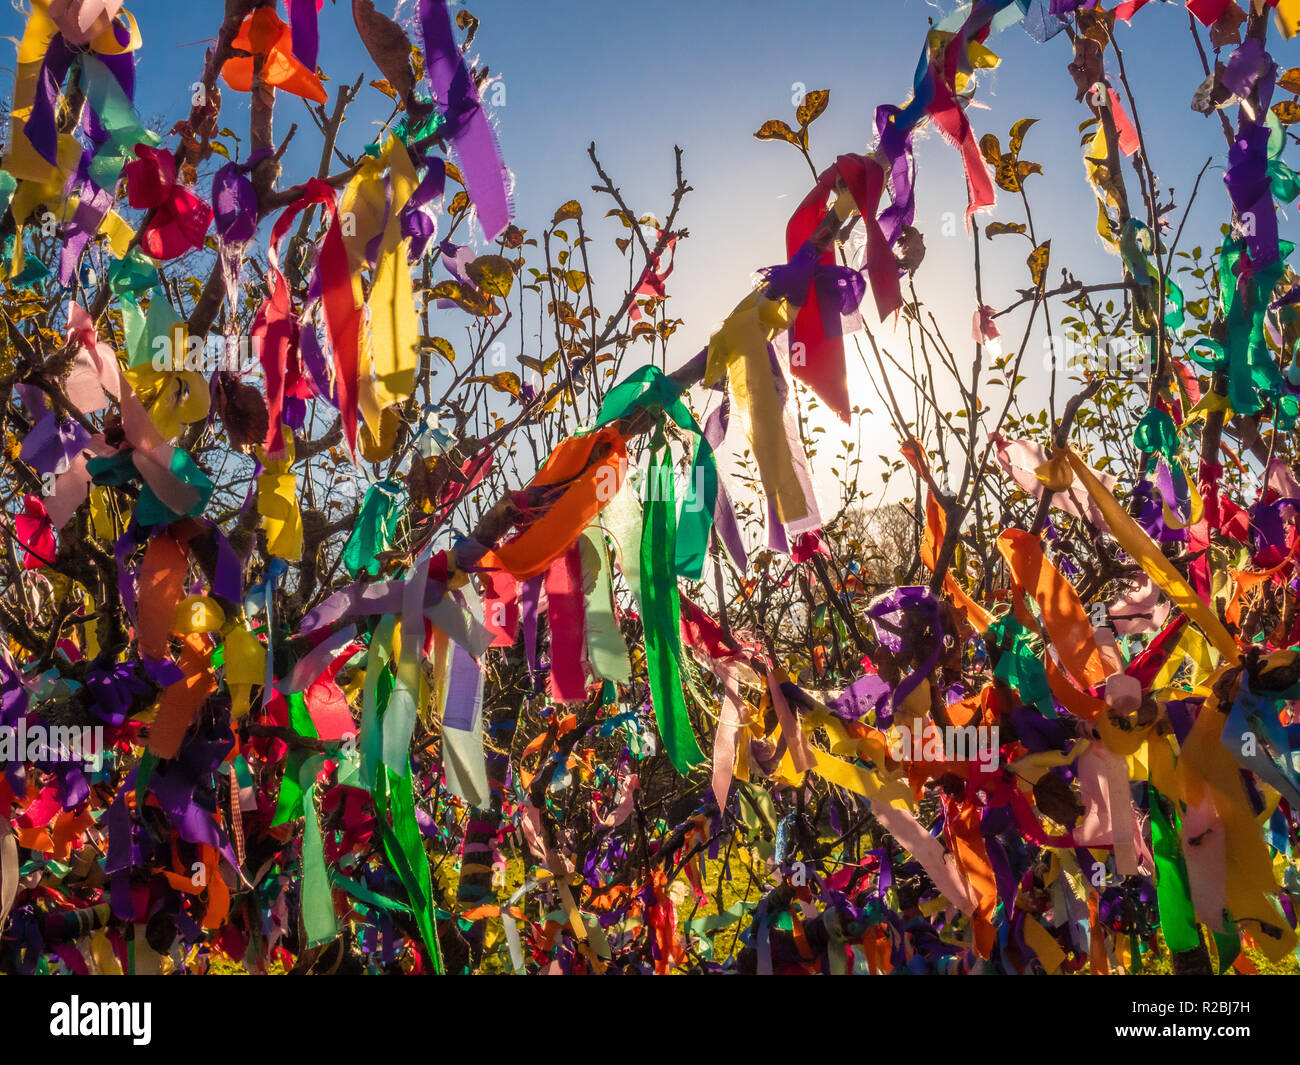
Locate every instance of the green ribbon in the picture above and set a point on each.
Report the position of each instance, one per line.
(649, 389)
(395, 804)
(1156, 432)
(1173, 889)
(362, 893)
(378, 686)
(390, 788)
(661, 618)
(117, 117)
(8, 185)
(318, 917)
(144, 329)
(136, 273)
(1018, 663)
(289, 804)
(116, 470)
(1284, 183)
(706, 927)
(1253, 376)
(1135, 245)
(33, 270)
(606, 651)
(375, 529)
(409, 134)
(1215, 362)
(1228, 944)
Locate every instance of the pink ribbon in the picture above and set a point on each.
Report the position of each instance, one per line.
(96, 375)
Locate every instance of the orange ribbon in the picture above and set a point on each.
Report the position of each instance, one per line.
(263, 35)
(588, 487)
(1068, 627)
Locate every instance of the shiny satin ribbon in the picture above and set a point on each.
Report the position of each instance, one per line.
(661, 618)
(650, 389)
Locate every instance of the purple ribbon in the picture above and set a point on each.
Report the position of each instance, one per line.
(895, 144)
(888, 613)
(530, 595)
(113, 691)
(313, 358)
(864, 694)
(234, 201)
(41, 128)
(467, 125)
(417, 224)
(1246, 66)
(52, 444)
(462, 705)
(304, 32)
(1248, 185)
(92, 205)
(724, 513)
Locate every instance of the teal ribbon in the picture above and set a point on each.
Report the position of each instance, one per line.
(8, 185)
(375, 529)
(117, 470)
(1156, 432)
(1135, 245)
(1253, 376)
(1019, 664)
(135, 274)
(1284, 183)
(117, 117)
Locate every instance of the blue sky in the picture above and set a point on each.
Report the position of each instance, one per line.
(638, 78)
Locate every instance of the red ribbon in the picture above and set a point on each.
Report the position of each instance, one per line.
(180, 219)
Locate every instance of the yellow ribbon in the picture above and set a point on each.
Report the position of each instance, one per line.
(1139, 545)
(277, 503)
(370, 207)
(739, 349)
